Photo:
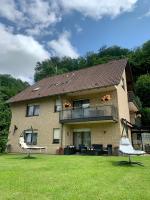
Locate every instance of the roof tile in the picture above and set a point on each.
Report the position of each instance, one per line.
(88, 78)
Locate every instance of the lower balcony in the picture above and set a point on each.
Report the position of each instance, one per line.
(100, 113)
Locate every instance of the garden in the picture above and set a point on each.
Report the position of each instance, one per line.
(75, 177)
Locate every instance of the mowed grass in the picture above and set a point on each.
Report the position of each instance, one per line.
(73, 178)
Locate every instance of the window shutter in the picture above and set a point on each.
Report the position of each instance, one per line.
(57, 133)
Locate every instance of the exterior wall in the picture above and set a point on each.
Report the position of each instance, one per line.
(95, 98)
(111, 129)
(44, 123)
(123, 107)
(101, 132)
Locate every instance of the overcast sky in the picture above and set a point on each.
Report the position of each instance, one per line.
(34, 30)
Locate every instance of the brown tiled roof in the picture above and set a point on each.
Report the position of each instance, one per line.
(93, 77)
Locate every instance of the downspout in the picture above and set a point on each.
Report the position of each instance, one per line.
(62, 125)
(61, 143)
(141, 139)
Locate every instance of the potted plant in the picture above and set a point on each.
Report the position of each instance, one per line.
(67, 105)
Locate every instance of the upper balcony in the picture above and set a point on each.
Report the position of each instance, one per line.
(100, 113)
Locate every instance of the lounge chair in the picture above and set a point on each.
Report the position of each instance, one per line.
(98, 149)
(126, 148)
(24, 146)
(82, 149)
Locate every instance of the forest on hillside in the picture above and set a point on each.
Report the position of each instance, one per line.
(9, 86)
(139, 60)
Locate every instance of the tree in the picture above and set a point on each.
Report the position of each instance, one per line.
(143, 89)
(44, 69)
(55, 65)
(113, 52)
(9, 86)
(140, 60)
(5, 116)
(145, 116)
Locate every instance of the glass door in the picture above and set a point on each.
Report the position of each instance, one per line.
(77, 139)
(79, 106)
(82, 138)
(87, 139)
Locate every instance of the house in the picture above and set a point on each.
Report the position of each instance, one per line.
(79, 107)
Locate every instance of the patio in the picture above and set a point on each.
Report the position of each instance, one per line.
(94, 149)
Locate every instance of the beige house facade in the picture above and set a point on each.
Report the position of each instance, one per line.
(73, 112)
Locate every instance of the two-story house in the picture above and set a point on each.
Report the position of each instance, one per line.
(79, 107)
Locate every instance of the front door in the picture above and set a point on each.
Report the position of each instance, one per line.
(82, 138)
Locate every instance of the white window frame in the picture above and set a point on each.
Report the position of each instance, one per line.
(56, 138)
(33, 111)
(58, 105)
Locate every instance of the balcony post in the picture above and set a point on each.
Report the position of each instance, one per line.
(71, 113)
(83, 113)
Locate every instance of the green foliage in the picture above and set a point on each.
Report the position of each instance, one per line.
(143, 89)
(9, 86)
(4, 123)
(113, 51)
(140, 60)
(145, 116)
(56, 65)
(138, 102)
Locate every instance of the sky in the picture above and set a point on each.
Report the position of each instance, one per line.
(35, 30)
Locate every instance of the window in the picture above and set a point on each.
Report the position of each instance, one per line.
(83, 103)
(58, 105)
(33, 110)
(123, 83)
(56, 135)
(30, 137)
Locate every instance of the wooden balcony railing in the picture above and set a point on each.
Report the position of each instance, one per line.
(107, 112)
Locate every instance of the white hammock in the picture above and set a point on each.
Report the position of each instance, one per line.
(125, 147)
(24, 146)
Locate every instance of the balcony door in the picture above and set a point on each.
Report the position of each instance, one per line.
(83, 103)
(82, 138)
(78, 106)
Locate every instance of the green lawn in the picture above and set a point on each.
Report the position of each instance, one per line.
(73, 178)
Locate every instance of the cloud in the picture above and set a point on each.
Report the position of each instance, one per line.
(62, 46)
(41, 12)
(9, 10)
(147, 14)
(78, 28)
(19, 53)
(39, 30)
(97, 9)
(34, 17)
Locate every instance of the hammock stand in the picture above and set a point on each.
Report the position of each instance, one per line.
(126, 147)
(28, 148)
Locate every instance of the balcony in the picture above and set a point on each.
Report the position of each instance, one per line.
(100, 113)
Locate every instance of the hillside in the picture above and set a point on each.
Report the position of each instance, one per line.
(9, 86)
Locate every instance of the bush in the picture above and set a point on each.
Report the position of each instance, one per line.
(145, 116)
(143, 89)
